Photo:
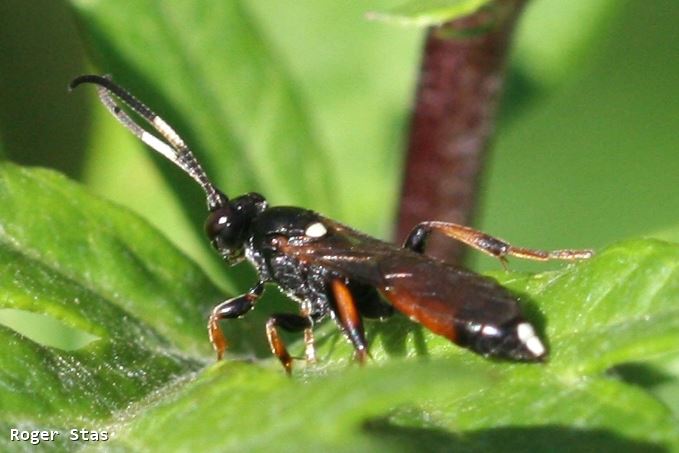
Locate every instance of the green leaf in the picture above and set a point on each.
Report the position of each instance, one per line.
(426, 13)
(59, 233)
(667, 234)
(256, 409)
(98, 269)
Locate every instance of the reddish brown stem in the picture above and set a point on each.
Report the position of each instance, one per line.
(460, 83)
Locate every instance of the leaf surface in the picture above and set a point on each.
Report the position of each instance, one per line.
(148, 377)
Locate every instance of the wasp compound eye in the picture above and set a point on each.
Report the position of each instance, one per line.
(219, 221)
(226, 227)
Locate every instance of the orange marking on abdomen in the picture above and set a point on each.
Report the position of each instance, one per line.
(425, 311)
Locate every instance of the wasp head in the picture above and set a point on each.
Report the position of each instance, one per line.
(228, 225)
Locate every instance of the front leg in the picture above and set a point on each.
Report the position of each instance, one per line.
(230, 309)
(417, 240)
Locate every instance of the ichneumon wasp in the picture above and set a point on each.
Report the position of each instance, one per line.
(332, 270)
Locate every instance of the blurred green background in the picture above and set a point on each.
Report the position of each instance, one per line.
(586, 152)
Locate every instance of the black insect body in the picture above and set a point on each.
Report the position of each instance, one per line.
(330, 269)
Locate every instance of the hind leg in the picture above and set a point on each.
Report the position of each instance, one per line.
(492, 246)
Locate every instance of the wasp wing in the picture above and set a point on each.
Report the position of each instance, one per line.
(438, 295)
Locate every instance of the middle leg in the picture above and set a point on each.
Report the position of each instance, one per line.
(289, 323)
(349, 318)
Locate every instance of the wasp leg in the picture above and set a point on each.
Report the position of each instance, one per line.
(290, 323)
(309, 345)
(309, 340)
(229, 309)
(349, 318)
(487, 244)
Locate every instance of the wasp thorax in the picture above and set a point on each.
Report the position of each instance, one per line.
(228, 226)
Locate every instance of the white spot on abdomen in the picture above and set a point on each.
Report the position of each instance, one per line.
(527, 336)
(524, 331)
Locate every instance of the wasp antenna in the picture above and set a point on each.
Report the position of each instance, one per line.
(174, 150)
